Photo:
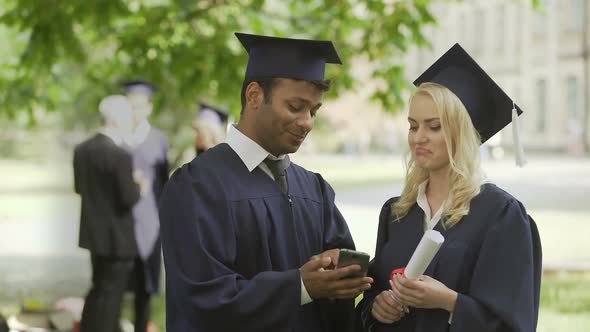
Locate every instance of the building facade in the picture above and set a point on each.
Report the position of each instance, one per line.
(539, 57)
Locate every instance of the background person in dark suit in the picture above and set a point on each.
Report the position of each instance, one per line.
(148, 147)
(103, 178)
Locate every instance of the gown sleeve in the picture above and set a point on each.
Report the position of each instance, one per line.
(78, 173)
(504, 291)
(162, 167)
(336, 232)
(199, 244)
(338, 314)
(364, 319)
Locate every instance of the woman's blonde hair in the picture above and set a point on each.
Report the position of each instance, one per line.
(463, 144)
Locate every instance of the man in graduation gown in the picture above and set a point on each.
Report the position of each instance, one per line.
(103, 178)
(149, 148)
(249, 238)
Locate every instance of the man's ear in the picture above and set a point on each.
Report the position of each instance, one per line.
(254, 96)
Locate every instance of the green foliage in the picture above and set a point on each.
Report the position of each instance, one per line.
(64, 56)
(70, 53)
(567, 293)
(537, 4)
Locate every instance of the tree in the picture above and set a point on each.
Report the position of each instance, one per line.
(68, 54)
(76, 49)
(65, 55)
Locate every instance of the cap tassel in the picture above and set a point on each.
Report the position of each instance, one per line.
(518, 149)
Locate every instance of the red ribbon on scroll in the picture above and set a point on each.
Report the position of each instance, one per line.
(401, 270)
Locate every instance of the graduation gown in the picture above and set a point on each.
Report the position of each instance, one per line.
(233, 245)
(492, 258)
(150, 156)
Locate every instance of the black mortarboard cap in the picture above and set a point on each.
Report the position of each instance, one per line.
(141, 87)
(301, 59)
(489, 107)
(211, 113)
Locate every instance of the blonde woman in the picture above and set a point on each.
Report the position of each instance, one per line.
(486, 276)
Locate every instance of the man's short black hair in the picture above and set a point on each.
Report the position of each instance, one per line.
(268, 83)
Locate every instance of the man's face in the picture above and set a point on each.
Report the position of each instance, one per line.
(142, 106)
(284, 122)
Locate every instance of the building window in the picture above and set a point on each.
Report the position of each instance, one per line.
(540, 18)
(572, 96)
(516, 29)
(463, 33)
(500, 28)
(478, 33)
(576, 15)
(541, 105)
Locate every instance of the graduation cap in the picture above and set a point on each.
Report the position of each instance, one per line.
(301, 59)
(212, 114)
(489, 107)
(141, 87)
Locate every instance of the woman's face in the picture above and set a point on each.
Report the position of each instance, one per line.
(425, 136)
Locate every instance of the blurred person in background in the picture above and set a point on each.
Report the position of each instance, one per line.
(210, 127)
(486, 275)
(149, 149)
(3, 324)
(103, 177)
(240, 223)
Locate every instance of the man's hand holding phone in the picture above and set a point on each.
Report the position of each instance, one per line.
(333, 254)
(334, 274)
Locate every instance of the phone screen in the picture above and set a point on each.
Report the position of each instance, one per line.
(349, 257)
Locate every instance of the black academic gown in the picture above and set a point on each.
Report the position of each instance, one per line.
(233, 245)
(492, 258)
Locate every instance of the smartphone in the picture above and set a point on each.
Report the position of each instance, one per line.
(349, 257)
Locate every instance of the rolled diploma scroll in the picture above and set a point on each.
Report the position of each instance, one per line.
(422, 256)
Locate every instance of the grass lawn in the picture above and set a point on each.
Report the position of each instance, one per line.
(158, 310)
(565, 304)
(37, 192)
(354, 171)
(564, 234)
